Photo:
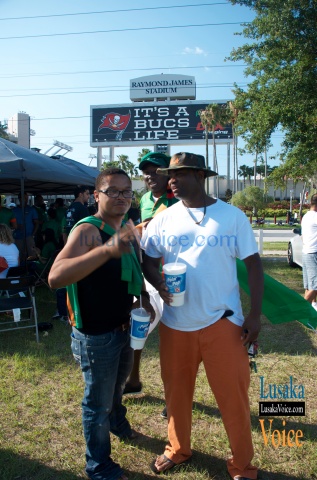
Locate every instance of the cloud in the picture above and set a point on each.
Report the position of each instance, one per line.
(194, 51)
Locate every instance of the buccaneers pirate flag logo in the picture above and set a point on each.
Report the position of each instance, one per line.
(115, 122)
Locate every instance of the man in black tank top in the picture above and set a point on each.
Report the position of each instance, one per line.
(99, 302)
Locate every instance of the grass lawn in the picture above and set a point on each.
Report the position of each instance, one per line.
(272, 226)
(282, 246)
(41, 389)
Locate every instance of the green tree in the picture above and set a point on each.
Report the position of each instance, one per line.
(108, 164)
(245, 172)
(228, 195)
(233, 114)
(251, 199)
(281, 60)
(215, 114)
(143, 152)
(124, 163)
(3, 131)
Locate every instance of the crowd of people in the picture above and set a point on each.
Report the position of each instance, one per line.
(110, 259)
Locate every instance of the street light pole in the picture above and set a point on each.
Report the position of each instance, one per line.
(290, 200)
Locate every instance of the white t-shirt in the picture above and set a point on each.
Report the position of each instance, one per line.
(209, 250)
(11, 254)
(309, 232)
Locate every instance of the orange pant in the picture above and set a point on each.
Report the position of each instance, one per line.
(226, 363)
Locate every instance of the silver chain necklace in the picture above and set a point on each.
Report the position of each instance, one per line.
(192, 216)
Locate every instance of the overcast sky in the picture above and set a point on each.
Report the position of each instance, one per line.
(71, 55)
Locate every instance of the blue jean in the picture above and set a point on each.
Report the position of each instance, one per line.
(106, 361)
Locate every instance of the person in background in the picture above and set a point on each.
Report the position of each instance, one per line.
(77, 210)
(40, 206)
(60, 210)
(60, 218)
(209, 328)
(159, 195)
(52, 223)
(309, 236)
(7, 217)
(8, 249)
(158, 198)
(101, 283)
(27, 230)
(42, 257)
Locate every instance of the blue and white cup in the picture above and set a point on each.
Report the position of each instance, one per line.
(140, 324)
(175, 280)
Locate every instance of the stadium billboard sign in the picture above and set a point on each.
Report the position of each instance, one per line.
(142, 123)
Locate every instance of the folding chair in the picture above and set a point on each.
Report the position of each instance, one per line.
(41, 278)
(21, 290)
(18, 271)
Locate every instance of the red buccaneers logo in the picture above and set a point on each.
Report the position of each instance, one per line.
(116, 123)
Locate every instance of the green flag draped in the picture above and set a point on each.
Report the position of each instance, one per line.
(130, 273)
(280, 304)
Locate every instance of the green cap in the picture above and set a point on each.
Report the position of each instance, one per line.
(153, 158)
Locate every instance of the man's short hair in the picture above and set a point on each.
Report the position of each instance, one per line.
(313, 200)
(59, 201)
(20, 194)
(80, 189)
(107, 172)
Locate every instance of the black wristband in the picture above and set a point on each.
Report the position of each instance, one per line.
(146, 294)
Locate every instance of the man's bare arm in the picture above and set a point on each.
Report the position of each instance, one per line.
(252, 324)
(151, 270)
(84, 253)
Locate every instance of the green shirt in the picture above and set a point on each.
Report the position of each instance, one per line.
(47, 252)
(60, 214)
(6, 216)
(42, 217)
(149, 206)
(53, 225)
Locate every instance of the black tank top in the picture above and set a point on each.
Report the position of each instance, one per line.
(103, 297)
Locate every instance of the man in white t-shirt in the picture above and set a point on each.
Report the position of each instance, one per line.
(309, 236)
(207, 235)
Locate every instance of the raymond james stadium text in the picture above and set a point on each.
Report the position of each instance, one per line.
(162, 83)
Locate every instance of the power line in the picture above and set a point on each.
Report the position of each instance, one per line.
(100, 91)
(117, 30)
(203, 85)
(112, 11)
(120, 70)
(183, 54)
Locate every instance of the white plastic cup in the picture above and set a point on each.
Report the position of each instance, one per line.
(175, 280)
(140, 324)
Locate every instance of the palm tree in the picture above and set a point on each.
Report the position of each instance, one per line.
(143, 152)
(214, 115)
(126, 165)
(260, 169)
(3, 131)
(234, 115)
(244, 171)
